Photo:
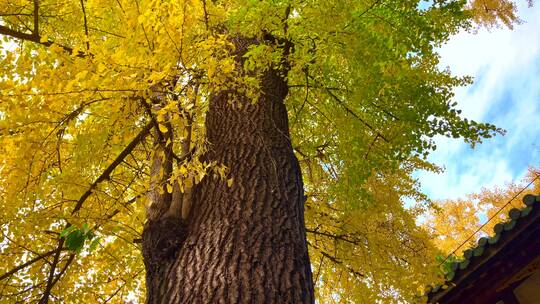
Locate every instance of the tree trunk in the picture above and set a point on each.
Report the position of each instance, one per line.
(245, 243)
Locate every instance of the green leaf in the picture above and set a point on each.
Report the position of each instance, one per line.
(75, 240)
(67, 231)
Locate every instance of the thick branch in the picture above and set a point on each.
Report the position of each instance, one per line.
(36, 18)
(50, 280)
(70, 260)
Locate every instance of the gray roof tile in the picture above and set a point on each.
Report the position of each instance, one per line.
(501, 230)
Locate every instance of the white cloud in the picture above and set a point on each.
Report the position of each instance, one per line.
(506, 92)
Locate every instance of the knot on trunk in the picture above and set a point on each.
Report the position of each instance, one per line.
(161, 241)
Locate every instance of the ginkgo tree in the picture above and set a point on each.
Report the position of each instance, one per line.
(223, 140)
(458, 224)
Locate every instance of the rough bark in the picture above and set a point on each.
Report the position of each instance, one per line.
(245, 243)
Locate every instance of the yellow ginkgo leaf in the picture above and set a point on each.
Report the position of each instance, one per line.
(163, 128)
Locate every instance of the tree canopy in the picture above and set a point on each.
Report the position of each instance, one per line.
(458, 224)
(366, 97)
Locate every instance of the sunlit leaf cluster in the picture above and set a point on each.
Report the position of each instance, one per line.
(77, 80)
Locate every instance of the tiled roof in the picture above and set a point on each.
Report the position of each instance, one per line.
(504, 232)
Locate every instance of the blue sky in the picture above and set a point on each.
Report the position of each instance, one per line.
(505, 65)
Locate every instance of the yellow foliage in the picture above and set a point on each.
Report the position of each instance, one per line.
(458, 224)
(365, 99)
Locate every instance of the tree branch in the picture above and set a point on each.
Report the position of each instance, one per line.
(50, 280)
(36, 38)
(36, 18)
(344, 106)
(117, 161)
(24, 265)
(338, 261)
(63, 270)
(333, 236)
(205, 14)
(85, 26)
